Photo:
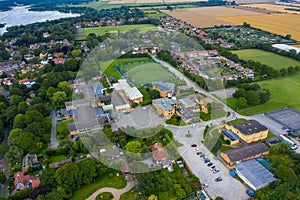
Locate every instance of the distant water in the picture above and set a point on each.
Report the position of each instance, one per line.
(22, 16)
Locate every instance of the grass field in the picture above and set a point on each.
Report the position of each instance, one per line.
(284, 92)
(271, 59)
(271, 7)
(207, 16)
(54, 159)
(85, 191)
(115, 29)
(281, 24)
(149, 72)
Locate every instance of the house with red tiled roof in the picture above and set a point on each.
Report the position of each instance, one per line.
(160, 155)
(22, 181)
(59, 60)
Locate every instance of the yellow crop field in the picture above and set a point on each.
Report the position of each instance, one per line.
(281, 24)
(208, 16)
(272, 7)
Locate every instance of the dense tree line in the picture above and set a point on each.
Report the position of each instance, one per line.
(251, 95)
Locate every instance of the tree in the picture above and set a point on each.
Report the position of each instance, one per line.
(152, 197)
(134, 146)
(241, 103)
(14, 153)
(219, 198)
(283, 72)
(2, 177)
(27, 141)
(68, 178)
(88, 169)
(252, 97)
(64, 86)
(59, 97)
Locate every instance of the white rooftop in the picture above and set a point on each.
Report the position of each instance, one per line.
(286, 47)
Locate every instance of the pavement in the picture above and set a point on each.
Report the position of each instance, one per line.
(54, 142)
(116, 192)
(140, 118)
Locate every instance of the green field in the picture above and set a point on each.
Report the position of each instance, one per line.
(149, 72)
(271, 59)
(284, 92)
(87, 190)
(54, 159)
(114, 29)
(97, 5)
(158, 14)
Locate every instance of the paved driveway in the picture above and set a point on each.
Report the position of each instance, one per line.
(140, 118)
(229, 188)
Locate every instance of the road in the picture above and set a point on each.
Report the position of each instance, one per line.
(270, 124)
(54, 143)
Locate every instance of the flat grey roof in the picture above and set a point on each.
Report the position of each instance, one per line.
(255, 173)
(165, 103)
(250, 127)
(164, 86)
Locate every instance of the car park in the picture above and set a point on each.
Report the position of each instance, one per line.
(209, 164)
(218, 179)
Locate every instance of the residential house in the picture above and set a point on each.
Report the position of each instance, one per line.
(22, 181)
(160, 155)
(30, 160)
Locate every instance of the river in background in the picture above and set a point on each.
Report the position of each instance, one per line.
(22, 16)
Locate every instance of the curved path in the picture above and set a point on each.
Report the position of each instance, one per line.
(116, 192)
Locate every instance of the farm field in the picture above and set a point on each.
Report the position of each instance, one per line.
(271, 59)
(296, 45)
(272, 7)
(283, 93)
(281, 24)
(208, 16)
(115, 29)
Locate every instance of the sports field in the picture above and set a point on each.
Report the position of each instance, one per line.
(284, 92)
(271, 59)
(148, 72)
(115, 29)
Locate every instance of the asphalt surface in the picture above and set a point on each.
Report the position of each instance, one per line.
(229, 188)
(54, 143)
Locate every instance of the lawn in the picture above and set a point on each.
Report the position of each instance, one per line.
(271, 59)
(115, 29)
(87, 190)
(62, 129)
(131, 195)
(54, 159)
(239, 120)
(108, 66)
(283, 93)
(148, 72)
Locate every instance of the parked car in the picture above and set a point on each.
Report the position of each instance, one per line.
(206, 160)
(196, 149)
(209, 164)
(204, 185)
(202, 156)
(199, 152)
(218, 179)
(216, 171)
(212, 168)
(193, 125)
(193, 145)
